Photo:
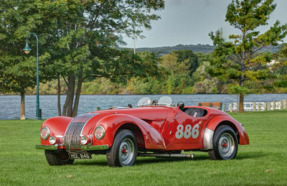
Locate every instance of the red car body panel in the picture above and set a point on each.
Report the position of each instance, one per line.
(243, 137)
(155, 127)
(58, 125)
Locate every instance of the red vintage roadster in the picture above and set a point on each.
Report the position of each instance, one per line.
(153, 128)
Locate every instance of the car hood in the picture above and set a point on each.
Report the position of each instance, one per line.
(144, 113)
(88, 121)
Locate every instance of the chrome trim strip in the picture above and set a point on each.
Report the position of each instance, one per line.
(208, 139)
(94, 147)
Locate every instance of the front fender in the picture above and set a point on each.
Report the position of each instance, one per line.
(152, 138)
(57, 126)
(218, 120)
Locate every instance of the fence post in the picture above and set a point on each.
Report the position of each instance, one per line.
(265, 106)
(254, 106)
(268, 106)
(230, 107)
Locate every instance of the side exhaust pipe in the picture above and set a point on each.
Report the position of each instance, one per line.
(191, 156)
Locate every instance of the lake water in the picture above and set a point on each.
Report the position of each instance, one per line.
(10, 105)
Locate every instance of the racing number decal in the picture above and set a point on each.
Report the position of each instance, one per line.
(179, 132)
(189, 131)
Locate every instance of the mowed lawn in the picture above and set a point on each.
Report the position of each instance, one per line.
(263, 162)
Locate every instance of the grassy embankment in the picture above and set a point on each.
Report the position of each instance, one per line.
(263, 162)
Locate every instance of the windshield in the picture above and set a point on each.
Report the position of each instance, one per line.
(146, 101)
(163, 101)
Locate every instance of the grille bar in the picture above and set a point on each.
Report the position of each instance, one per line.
(72, 138)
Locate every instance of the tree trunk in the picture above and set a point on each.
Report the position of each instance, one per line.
(242, 78)
(22, 113)
(68, 106)
(241, 101)
(59, 96)
(78, 92)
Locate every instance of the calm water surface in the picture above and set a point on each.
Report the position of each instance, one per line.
(10, 105)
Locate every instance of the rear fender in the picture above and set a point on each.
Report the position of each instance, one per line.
(152, 138)
(223, 120)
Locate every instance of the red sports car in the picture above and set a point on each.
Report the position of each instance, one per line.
(153, 128)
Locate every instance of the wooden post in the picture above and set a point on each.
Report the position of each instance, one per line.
(230, 107)
(254, 106)
(265, 106)
(268, 105)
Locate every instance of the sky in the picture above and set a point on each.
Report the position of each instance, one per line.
(190, 21)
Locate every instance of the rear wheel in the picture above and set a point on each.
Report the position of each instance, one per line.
(124, 150)
(225, 144)
(58, 157)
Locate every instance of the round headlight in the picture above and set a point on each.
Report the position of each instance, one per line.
(45, 132)
(99, 132)
(52, 140)
(84, 140)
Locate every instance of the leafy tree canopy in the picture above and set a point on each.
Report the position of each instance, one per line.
(237, 60)
(78, 39)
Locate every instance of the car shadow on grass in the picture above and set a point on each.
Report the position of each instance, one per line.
(154, 160)
(91, 163)
(250, 155)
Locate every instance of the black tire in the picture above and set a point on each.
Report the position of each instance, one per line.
(58, 157)
(225, 144)
(124, 150)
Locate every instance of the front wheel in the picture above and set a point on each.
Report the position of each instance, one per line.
(225, 144)
(124, 150)
(60, 157)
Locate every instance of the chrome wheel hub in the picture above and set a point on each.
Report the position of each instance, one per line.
(126, 151)
(226, 145)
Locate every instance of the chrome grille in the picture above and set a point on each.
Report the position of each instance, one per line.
(72, 138)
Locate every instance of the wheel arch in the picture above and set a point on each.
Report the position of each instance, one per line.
(218, 121)
(230, 124)
(137, 132)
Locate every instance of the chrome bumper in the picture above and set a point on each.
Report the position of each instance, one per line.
(83, 147)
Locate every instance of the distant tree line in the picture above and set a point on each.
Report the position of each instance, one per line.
(199, 48)
(181, 72)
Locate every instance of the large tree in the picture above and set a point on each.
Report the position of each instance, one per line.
(86, 39)
(238, 60)
(80, 38)
(17, 71)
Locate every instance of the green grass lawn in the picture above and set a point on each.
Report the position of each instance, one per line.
(263, 162)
